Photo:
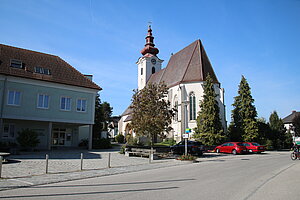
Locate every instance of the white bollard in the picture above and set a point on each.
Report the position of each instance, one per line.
(81, 161)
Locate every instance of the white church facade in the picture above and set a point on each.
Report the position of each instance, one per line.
(184, 76)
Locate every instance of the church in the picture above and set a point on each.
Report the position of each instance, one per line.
(184, 76)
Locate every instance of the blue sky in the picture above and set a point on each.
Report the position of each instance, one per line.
(259, 39)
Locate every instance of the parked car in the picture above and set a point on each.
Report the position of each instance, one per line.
(254, 147)
(193, 148)
(231, 147)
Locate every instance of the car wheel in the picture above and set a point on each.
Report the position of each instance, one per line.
(234, 152)
(218, 150)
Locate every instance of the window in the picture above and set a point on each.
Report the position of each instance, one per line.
(153, 70)
(141, 71)
(81, 105)
(16, 63)
(41, 70)
(43, 101)
(176, 107)
(14, 98)
(65, 103)
(176, 112)
(8, 131)
(192, 106)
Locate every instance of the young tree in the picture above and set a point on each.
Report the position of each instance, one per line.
(103, 113)
(209, 128)
(152, 114)
(296, 124)
(244, 124)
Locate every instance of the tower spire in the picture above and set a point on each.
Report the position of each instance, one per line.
(149, 46)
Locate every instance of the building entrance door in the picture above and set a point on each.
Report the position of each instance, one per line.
(61, 137)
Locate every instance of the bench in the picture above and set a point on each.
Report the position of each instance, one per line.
(157, 152)
(139, 152)
(4, 155)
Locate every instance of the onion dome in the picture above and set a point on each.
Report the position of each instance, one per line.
(149, 46)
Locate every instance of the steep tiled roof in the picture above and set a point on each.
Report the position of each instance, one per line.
(289, 119)
(128, 111)
(191, 64)
(61, 71)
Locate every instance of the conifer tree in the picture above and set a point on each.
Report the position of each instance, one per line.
(278, 135)
(209, 128)
(244, 124)
(152, 114)
(296, 124)
(103, 112)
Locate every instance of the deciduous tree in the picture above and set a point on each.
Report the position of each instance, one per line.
(152, 114)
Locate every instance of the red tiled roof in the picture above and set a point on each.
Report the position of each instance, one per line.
(61, 71)
(191, 64)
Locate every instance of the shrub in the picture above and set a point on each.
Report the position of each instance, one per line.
(186, 157)
(120, 138)
(269, 145)
(84, 143)
(122, 149)
(169, 142)
(101, 143)
(28, 139)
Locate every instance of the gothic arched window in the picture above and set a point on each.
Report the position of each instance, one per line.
(153, 70)
(176, 107)
(192, 106)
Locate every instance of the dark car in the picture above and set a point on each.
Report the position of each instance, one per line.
(193, 148)
(231, 147)
(254, 147)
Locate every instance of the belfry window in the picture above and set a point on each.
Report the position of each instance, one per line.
(153, 70)
(192, 106)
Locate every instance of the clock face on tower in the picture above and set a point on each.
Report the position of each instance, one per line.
(153, 61)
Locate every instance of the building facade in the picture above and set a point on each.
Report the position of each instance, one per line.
(184, 76)
(44, 93)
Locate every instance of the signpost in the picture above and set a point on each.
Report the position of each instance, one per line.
(186, 136)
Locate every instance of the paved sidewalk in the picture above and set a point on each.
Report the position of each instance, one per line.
(29, 169)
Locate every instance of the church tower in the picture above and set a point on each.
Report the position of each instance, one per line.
(149, 63)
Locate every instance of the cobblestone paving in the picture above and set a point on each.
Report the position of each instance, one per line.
(34, 163)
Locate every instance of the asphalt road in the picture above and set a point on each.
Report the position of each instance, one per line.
(250, 177)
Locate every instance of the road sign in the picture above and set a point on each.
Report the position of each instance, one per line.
(185, 136)
(188, 130)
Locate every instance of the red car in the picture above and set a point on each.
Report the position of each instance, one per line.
(254, 147)
(231, 147)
